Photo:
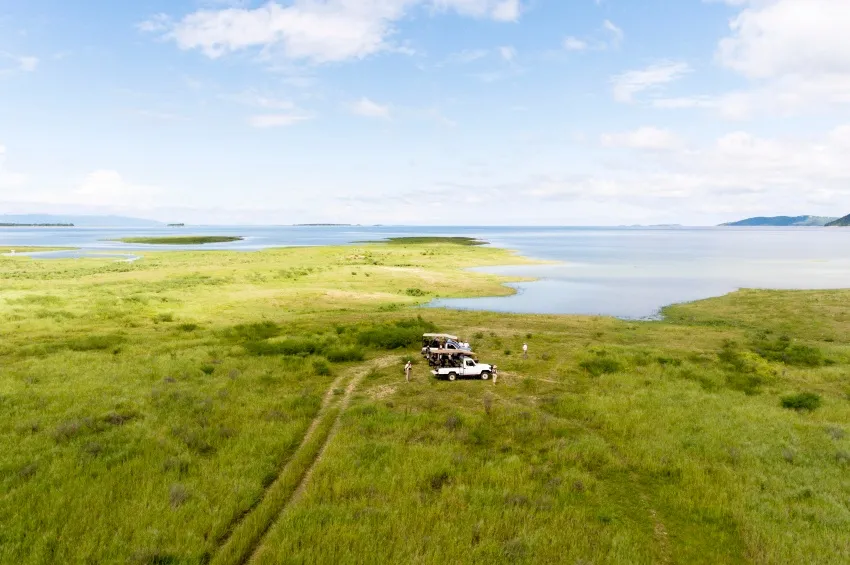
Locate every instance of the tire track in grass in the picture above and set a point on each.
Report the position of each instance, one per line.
(305, 479)
(246, 536)
(311, 430)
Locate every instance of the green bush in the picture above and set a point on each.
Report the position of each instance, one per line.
(601, 366)
(403, 333)
(285, 347)
(343, 354)
(808, 401)
(321, 367)
(255, 331)
(745, 370)
(95, 343)
(783, 350)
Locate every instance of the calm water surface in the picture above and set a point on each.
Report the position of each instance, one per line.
(625, 272)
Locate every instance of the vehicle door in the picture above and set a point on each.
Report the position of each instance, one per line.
(469, 368)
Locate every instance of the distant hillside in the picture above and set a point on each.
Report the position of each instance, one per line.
(78, 221)
(840, 222)
(783, 221)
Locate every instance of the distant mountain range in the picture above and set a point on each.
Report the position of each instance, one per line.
(78, 221)
(840, 222)
(786, 221)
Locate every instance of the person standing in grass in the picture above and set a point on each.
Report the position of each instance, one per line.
(525, 351)
(407, 368)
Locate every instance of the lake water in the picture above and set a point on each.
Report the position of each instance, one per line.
(625, 272)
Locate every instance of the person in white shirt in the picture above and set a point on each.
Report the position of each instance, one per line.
(407, 368)
(525, 351)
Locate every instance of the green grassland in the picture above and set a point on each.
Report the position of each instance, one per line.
(181, 239)
(223, 407)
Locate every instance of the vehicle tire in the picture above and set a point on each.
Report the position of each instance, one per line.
(485, 375)
(452, 376)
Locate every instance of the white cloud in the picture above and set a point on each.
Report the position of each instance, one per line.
(316, 31)
(369, 109)
(467, 56)
(773, 38)
(108, 187)
(609, 36)
(574, 44)
(628, 84)
(9, 180)
(616, 33)
(264, 121)
(793, 52)
(260, 100)
(25, 64)
(647, 138)
(508, 53)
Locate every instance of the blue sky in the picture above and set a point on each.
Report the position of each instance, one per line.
(576, 112)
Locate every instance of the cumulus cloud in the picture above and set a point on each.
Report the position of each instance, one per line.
(794, 54)
(318, 31)
(630, 83)
(369, 109)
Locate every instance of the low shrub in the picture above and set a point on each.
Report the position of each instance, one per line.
(344, 354)
(601, 366)
(745, 370)
(783, 350)
(255, 332)
(285, 347)
(804, 401)
(321, 367)
(398, 335)
(95, 343)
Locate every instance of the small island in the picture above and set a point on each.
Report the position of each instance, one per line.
(3, 225)
(176, 225)
(424, 240)
(181, 240)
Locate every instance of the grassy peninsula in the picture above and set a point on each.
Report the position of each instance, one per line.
(198, 407)
(182, 240)
(31, 249)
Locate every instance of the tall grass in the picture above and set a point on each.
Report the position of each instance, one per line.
(156, 413)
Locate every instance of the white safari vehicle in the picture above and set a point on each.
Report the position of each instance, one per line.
(466, 368)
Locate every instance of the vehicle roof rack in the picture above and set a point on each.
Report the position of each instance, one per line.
(454, 337)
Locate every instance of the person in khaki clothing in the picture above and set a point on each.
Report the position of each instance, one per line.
(407, 368)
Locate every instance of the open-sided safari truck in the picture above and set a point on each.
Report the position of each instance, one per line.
(464, 366)
(432, 342)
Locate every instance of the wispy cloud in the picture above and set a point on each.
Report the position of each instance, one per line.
(630, 83)
(14, 62)
(575, 44)
(369, 109)
(608, 36)
(265, 121)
